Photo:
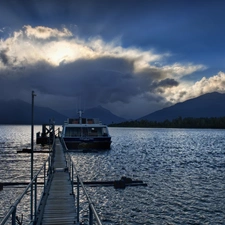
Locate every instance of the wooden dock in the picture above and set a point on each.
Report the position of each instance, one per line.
(60, 201)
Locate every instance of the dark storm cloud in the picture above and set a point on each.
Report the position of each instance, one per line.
(4, 57)
(167, 83)
(162, 84)
(100, 81)
(61, 68)
(182, 93)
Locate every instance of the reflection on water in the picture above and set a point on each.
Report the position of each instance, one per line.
(16, 167)
(184, 170)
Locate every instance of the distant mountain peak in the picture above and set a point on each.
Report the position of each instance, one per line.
(99, 112)
(98, 108)
(23, 113)
(207, 105)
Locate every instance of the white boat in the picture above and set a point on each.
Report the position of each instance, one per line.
(85, 133)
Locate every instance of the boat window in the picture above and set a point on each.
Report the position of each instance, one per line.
(84, 131)
(104, 131)
(72, 131)
(95, 131)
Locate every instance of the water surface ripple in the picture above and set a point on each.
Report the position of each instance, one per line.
(183, 168)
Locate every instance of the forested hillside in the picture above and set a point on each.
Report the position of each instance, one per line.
(189, 122)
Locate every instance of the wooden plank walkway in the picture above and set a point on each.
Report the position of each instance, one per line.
(60, 206)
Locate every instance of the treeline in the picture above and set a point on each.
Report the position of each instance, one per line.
(213, 122)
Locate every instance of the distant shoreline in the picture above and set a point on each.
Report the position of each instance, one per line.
(189, 122)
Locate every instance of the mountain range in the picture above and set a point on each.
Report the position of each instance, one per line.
(19, 112)
(207, 105)
(104, 115)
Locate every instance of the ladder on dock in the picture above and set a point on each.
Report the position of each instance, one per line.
(60, 203)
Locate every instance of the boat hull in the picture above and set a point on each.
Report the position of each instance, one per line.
(96, 143)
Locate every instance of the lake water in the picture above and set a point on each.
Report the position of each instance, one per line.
(183, 168)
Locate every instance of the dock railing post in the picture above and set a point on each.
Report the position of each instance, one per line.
(49, 165)
(35, 201)
(44, 176)
(14, 216)
(70, 165)
(72, 180)
(93, 215)
(90, 215)
(32, 155)
(78, 199)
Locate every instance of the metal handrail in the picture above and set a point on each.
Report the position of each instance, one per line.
(13, 207)
(92, 209)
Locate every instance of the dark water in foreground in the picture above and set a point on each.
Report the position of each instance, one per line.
(184, 170)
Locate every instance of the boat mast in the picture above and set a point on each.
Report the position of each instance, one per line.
(80, 116)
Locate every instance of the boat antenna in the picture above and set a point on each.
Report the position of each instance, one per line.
(80, 112)
(79, 107)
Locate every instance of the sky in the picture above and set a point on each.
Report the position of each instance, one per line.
(132, 57)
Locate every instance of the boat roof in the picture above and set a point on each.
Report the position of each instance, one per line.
(85, 125)
(83, 122)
